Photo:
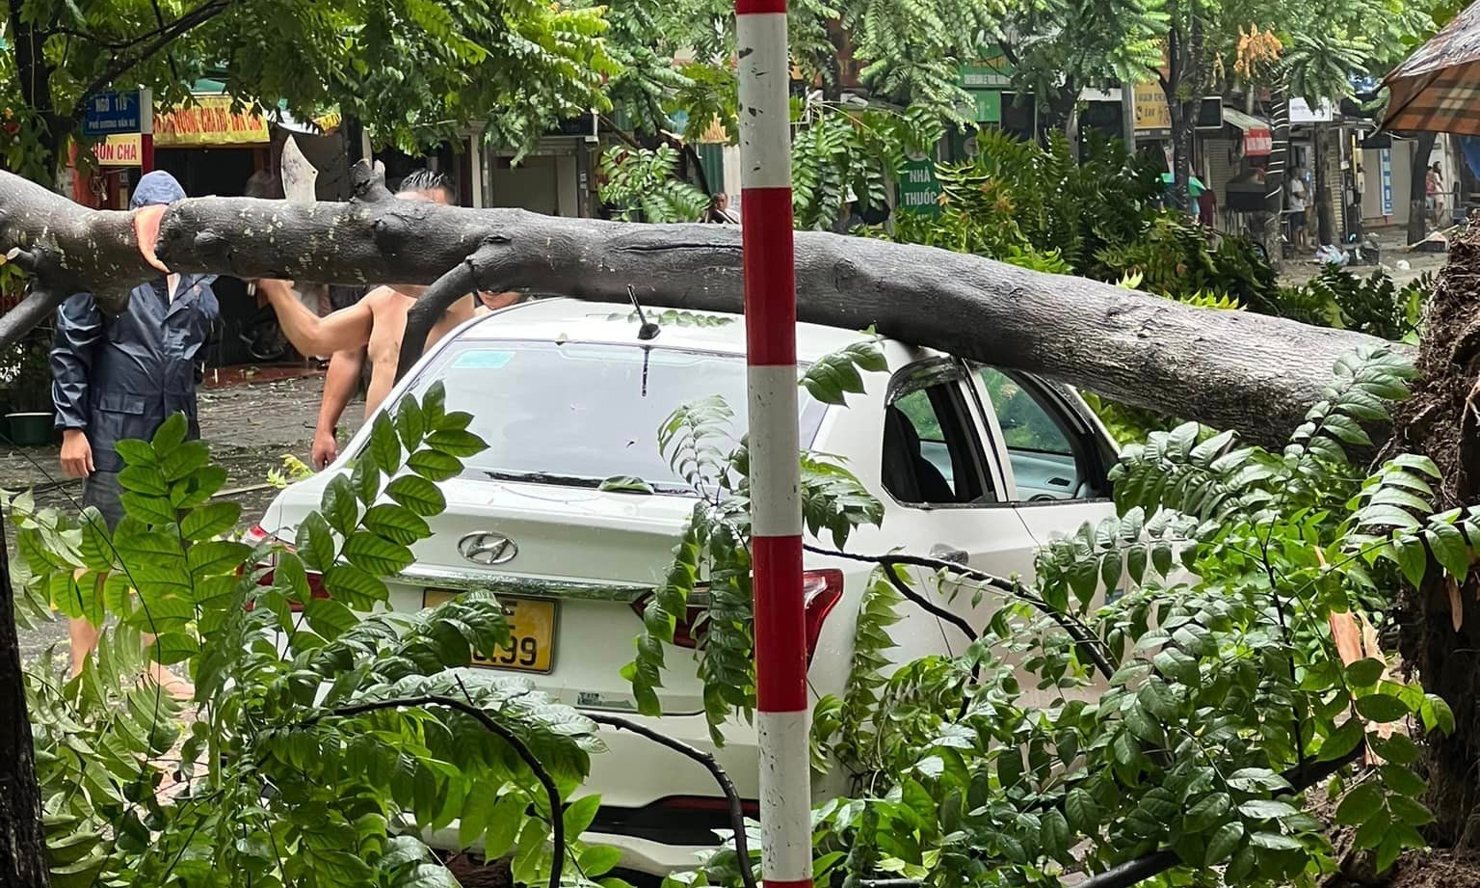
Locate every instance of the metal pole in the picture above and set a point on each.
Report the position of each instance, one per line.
(1128, 116)
(768, 261)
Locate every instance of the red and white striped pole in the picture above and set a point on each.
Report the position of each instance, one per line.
(776, 512)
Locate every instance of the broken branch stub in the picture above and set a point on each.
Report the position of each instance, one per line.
(1230, 369)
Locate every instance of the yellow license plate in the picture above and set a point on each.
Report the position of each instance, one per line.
(531, 630)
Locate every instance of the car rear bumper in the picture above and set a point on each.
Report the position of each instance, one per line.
(661, 809)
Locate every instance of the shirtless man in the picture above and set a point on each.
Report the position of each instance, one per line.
(378, 321)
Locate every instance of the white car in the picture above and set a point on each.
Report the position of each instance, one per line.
(971, 463)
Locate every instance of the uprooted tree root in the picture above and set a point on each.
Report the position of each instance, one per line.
(1440, 621)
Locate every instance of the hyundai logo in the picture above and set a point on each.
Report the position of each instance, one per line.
(485, 547)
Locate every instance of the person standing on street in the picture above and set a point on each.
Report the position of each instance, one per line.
(1433, 186)
(119, 378)
(1298, 195)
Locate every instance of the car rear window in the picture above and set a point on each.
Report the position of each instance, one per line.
(580, 413)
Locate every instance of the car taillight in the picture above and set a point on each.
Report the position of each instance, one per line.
(257, 536)
(821, 592)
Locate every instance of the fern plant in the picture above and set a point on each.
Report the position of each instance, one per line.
(327, 733)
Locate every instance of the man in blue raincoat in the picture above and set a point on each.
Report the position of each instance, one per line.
(119, 378)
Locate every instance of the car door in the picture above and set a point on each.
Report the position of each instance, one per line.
(1056, 457)
(922, 449)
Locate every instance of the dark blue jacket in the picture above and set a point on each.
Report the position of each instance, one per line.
(118, 378)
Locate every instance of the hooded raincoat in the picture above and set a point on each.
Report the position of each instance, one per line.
(119, 378)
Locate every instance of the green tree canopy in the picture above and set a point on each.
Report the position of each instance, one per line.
(412, 71)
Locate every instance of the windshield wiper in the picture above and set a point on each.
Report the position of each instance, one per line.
(579, 481)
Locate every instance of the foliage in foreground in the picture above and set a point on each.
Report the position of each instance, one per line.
(1185, 714)
(316, 752)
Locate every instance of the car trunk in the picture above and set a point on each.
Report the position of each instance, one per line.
(581, 558)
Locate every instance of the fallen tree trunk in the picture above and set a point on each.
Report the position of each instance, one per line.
(1253, 373)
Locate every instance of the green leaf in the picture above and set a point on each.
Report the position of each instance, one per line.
(1084, 812)
(210, 520)
(1382, 708)
(456, 442)
(1413, 559)
(1224, 841)
(1142, 724)
(171, 434)
(1410, 811)
(1401, 780)
(1207, 812)
(216, 557)
(185, 459)
(580, 814)
(1436, 714)
(1397, 749)
(434, 465)
(1450, 549)
(477, 812)
(1342, 740)
(156, 510)
(396, 523)
(1365, 673)
(97, 547)
(1274, 842)
(598, 860)
(835, 375)
(144, 478)
(1054, 834)
(626, 484)
(364, 478)
(1359, 805)
(410, 423)
(329, 618)
(136, 453)
(385, 445)
(503, 825)
(434, 405)
(354, 586)
(315, 542)
(417, 494)
(339, 507)
(376, 554)
(1267, 809)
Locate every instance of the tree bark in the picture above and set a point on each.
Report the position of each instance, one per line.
(1441, 421)
(1253, 373)
(1325, 219)
(22, 838)
(1418, 167)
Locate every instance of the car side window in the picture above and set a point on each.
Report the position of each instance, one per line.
(1049, 460)
(931, 453)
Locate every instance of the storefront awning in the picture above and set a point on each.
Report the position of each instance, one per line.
(1258, 138)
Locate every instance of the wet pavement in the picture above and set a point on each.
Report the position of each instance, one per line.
(250, 425)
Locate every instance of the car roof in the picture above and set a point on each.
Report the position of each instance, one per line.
(560, 319)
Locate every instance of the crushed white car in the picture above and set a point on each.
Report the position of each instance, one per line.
(971, 463)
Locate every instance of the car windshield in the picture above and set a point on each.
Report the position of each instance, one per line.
(580, 413)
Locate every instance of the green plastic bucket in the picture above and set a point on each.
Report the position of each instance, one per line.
(29, 429)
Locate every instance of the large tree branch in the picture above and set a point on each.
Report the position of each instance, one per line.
(1231, 369)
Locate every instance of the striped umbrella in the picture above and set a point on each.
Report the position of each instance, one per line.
(1437, 89)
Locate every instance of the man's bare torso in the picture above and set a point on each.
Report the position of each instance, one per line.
(388, 308)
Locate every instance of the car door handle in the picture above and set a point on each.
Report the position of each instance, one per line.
(943, 552)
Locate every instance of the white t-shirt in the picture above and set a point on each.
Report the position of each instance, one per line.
(1297, 194)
